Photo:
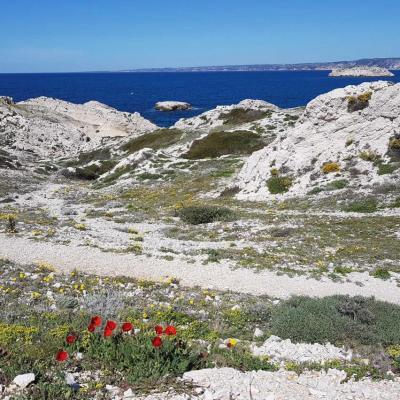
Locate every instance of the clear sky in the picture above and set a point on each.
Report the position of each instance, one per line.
(79, 35)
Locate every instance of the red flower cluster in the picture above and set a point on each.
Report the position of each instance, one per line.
(169, 331)
(109, 328)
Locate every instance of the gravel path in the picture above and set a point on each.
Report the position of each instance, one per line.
(217, 276)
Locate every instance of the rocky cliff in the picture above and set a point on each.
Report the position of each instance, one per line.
(47, 127)
(347, 137)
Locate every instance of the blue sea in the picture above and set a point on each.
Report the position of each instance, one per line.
(204, 90)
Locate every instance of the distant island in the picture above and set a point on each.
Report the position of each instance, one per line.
(361, 71)
(388, 63)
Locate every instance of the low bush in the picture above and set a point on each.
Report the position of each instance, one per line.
(338, 320)
(279, 184)
(364, 206)
(217, 144)
(337, 185)
(384, 169)
(196, 215)
(394, 143)
(330, 167)
(358, 103)
(368, 155)
(381, 273)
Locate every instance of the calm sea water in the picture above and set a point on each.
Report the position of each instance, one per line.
(205, 90)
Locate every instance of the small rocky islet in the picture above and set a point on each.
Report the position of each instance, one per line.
(276, 205)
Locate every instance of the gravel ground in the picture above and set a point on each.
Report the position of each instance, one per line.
(220, 276)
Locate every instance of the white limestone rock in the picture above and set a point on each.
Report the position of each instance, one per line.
(47, 128)
(284, 350)
(172, 106)
(361, 71)
(328, 132)
(23, 380)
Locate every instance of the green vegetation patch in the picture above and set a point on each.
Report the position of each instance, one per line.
(363, 206)
(279, 184)
(242, 116)
(158, 139)
(196, 215)
(217, 144)
(338, 320)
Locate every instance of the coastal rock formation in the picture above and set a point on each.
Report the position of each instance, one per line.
(47, 127)
(361, 71)
(246, 111)
(349, 134)
(172, 106)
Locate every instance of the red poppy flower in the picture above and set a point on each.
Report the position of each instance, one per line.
(156, 342)
(170, 330)
(70, 339)
(126, 327)
(107, 332)
(62, 355)
(95, 321)
(91, 328)
(158, 329)
(111, 325)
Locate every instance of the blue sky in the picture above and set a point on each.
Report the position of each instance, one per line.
(79, 35)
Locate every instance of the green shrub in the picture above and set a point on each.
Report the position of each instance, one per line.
(242, 116)
(279, 184)
(394, 143)
(358, 103)
(368, 155)
(384, 169)
(338, 184)
(135, 357)
(217, 144)
(196, 215)
(158, 139)
(338, 320)
(364, 206)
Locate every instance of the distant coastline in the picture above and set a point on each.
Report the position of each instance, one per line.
(388, 63)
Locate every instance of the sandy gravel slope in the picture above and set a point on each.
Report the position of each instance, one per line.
(217, 276)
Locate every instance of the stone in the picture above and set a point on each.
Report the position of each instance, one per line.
(24, 380)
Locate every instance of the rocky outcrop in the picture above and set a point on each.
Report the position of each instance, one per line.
(48, 127)
(346, 135)
(235, 114)
(361, 71)
(172, 106)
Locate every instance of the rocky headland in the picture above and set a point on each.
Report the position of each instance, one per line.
(361, 71)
